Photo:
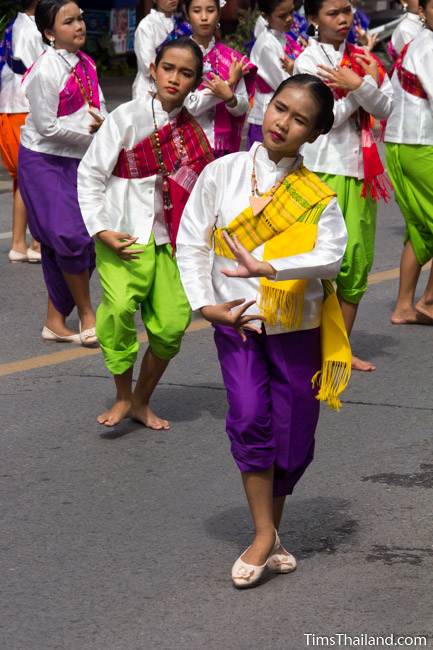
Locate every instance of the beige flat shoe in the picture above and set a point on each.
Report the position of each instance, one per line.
(280, 562)
(88, 337)
(49, 335)
(34, 257)
(248, 575)
(16, 256)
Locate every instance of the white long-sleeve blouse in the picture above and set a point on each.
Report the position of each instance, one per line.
(220, 194)
(340, 152)
(27, 45)
(411, 120)
(43, 131)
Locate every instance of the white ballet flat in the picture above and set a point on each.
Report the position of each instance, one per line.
(49, 335)
(248, 575)
(34, 257)
(88, 337)
(16, 256)
(280, 562)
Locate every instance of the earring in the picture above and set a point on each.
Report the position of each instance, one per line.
(316, 32)
(52, 41)
(218, 25)
(422, 19)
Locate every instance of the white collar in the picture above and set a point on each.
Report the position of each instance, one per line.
(280, 36)
(286, 164)
(159, 15)
(208, 48)
(160, 111)
(414, 17)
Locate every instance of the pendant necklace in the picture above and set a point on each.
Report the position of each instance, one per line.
(258, 202)
(86, 93)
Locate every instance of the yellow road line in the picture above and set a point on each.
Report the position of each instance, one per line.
(63, 356)
(70, 354)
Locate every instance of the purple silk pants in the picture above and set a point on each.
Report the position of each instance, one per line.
(48, 185)
(272, 409)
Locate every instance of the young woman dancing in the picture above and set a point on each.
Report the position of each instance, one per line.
(133, 184)
(66, 108)
(347, 158)
(276, 232)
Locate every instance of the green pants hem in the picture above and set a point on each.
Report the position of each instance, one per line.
(151, 284)
(360, 217)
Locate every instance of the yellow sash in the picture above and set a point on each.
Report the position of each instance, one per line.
(288, 226)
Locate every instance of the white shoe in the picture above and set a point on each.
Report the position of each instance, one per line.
(88, 337)
(49, 335)
(248, 575)
(16, 256)
(280, 562)
(34, 257)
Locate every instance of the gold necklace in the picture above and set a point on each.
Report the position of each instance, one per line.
(258, 202)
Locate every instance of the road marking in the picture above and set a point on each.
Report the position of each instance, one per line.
(70, 354)
(63, 356)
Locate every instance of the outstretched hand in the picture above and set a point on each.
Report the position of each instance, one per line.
(237, 70)
(119, 242)
(248, 265)
(226, 314)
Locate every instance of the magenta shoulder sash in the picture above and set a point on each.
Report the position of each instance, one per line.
(185, 151)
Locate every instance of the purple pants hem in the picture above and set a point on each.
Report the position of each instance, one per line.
(273, 411)
(255, 134)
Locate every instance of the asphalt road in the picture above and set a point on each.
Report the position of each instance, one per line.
(123, 540)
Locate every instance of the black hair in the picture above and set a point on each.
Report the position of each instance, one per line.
(423, 3)
(187, 5)
(312, 7)
(184, 43)
(268, 7)
(320, 92)
(45, 14)
(23, 5)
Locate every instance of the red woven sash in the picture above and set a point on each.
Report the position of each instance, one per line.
(142, 161)
(376, 182)
(408, 80)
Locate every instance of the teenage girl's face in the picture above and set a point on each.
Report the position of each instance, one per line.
(290, 122)
(281, 18)
(69, 30)
(335, 20)
(427, 13)
(167, 7)
(203, 16)
(175, 76)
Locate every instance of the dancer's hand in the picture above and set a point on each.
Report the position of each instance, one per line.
(98, 120)
(365, 38)
(220, 89)
(119, 242)
(287, 64)
(369, 64)
(343, 78)
(237, 70)
(248, 265)
(225, 314)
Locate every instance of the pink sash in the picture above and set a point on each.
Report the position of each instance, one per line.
(75, 94)
(228, 128)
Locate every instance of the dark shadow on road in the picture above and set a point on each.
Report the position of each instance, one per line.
(373, 345)
(310, 526)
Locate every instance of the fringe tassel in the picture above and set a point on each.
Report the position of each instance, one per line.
(331, 380)
(277, 305)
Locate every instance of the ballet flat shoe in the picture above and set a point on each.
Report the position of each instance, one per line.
(280, 562)
(88, 337)
(34, 257)
(16, 256)
(248, 575)
(49, 335)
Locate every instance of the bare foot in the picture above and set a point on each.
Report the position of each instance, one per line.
(363, 366)
(409, 316)
(59, 328)
(260, 549)
(424, 311)
(118, 412)
(144, 414)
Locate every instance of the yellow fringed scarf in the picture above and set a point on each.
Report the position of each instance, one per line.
(288, 226)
